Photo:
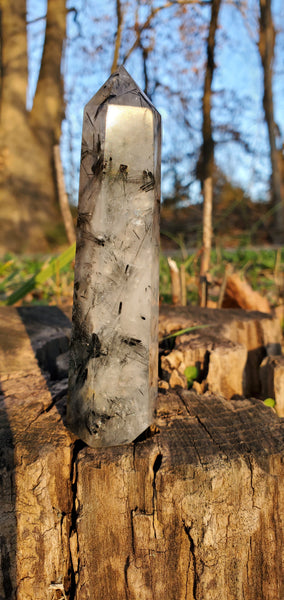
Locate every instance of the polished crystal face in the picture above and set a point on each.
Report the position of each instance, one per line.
(114, 346)
(129, 132)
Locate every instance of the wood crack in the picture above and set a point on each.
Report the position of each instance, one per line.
(55, 397)
(156, 467)
(249, 461)
(74, 568)
(192, 558)
(192, 440)
(224, 456)
(202, 424)
(126, 567)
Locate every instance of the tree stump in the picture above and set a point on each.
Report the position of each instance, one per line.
(228, 352)
(192, 510)
(272, 380)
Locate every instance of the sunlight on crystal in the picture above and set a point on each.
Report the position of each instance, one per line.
(129, 131)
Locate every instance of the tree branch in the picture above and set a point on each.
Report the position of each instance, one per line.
(119, 15)
(43, 17)
(153, 14)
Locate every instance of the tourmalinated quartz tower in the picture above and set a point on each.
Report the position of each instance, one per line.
(114, 344)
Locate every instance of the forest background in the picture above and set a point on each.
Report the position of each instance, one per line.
(213, 69)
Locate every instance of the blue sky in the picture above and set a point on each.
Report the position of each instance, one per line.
(237, 85)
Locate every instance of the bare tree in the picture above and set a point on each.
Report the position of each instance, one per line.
(29, 211)
(266, 47)
(206, 160)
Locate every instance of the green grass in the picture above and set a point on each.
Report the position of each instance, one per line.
(37, 280)
(263, 269)
(49, 279)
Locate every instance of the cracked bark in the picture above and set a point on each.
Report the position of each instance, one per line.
(192, 512)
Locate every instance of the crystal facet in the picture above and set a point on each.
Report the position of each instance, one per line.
(114, 344)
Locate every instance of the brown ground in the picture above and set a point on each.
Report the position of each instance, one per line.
(235, 223)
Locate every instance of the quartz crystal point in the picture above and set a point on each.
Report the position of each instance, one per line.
(114, 343)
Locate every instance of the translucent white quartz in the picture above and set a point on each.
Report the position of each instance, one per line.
(114, 345)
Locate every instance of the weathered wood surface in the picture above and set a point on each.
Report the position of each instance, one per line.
(194, 512)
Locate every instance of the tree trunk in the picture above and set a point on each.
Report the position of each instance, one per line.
(266, 49)
(63, 198)
(191, 510)
(29, 210)
(48, 107)
(207, 237)
(206, 160)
